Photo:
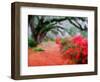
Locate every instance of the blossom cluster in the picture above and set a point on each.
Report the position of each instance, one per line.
(75, 49)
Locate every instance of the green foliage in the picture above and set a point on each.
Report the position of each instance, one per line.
(67, 43)
(72, 31)
(62, 40)
(51, 39)
(84, 33)
(31, 42)
(38, 49)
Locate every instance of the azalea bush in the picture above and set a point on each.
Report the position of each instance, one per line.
(75, 49)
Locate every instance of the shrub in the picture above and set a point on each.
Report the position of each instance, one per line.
(31, 42)
(38, 49)
(75, 49)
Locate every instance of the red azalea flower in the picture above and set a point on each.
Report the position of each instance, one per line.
(79, 40)
(82, 47)
(70, 50)
(69, 53)
(85, 52)
(77, 50)
(77, 56)
(84, 61)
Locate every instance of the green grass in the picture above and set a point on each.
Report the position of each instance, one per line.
(38, 49)
(31, 42)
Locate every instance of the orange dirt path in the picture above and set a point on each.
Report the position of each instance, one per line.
(50, 56)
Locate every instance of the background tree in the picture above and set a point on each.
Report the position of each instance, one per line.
(41, 25)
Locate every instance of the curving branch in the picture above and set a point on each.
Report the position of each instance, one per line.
(77, 24)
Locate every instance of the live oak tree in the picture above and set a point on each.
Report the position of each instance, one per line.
(41, 25)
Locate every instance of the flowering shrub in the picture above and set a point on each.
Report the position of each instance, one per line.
(76, 49)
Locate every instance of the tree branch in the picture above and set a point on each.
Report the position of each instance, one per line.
(77, 26)
(55, 20)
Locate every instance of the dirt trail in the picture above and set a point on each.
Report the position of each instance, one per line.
(50, 56)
